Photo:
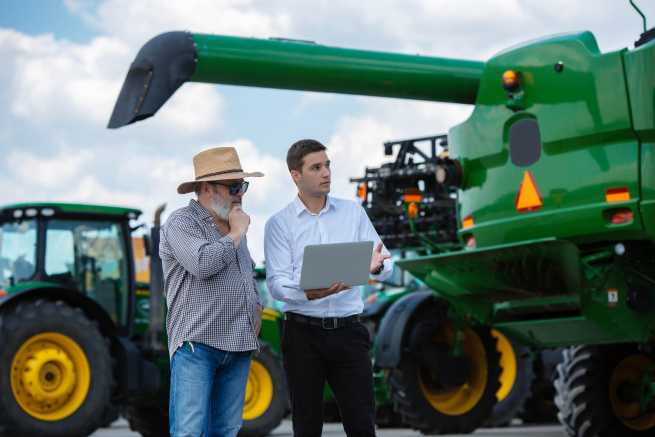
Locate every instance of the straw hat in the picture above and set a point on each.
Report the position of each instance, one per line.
(217, 164)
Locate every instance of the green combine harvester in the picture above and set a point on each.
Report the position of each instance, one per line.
(555, 179)
(81, 340)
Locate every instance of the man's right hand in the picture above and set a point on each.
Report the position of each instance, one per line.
(239, 222)
(319, 293)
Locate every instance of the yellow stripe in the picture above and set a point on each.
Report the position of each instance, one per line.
(270, 312)
(621, 196)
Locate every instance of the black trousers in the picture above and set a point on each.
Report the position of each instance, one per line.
(313, 355)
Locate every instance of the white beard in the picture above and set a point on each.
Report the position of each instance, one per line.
(221, 207)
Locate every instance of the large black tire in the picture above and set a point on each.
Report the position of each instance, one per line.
(585, 388)
(540, 407)
(65, 334)
(148, 421)
(266, 378)
(412, 383)
(516, 381)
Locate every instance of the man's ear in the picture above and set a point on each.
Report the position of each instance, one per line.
(295, 175)
(205, 187)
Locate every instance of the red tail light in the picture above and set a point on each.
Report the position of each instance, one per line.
(622, 216)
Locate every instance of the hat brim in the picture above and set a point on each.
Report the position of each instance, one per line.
(188, 187)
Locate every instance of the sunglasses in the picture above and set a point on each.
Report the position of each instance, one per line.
(235, 188)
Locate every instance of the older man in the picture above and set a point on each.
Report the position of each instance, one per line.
(213, 306)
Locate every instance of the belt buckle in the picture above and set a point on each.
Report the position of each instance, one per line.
(334, 324)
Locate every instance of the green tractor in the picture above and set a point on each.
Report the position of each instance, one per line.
(80, 340)
(554, 174)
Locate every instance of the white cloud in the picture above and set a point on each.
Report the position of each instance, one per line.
(197, 108)
(52, 80)
(139, 21)
(56, 96)
(55, 172)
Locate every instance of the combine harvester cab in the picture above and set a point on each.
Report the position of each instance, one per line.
(555, 171)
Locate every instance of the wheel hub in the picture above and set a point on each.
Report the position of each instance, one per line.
(50, 376)
(458, 400)
(629, 381)
(259, 391)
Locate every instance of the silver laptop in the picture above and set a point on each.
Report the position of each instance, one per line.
(325, 264)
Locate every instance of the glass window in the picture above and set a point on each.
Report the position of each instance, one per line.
(17, 252)
(90, 256)
(525, 142)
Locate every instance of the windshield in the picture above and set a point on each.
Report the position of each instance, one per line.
(90, 256)
(17, 252)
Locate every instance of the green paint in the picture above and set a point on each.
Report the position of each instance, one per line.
(297, 65)
(72, 208)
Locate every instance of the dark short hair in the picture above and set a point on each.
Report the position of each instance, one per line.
(299, 150)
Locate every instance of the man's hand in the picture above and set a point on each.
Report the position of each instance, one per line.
(377, 260)
(319, 293)
(239, 222)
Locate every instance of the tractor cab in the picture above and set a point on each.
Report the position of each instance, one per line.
(81, 248)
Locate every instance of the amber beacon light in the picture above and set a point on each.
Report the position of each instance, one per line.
(511, 80)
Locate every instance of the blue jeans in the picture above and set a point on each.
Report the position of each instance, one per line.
(207, 391)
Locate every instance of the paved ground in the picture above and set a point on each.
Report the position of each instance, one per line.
(121, 429)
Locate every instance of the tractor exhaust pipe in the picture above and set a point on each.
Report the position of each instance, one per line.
(156, 325)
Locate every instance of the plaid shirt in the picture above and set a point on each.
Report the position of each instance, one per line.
(210, 288)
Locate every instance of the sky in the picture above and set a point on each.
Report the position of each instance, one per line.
(63, 63)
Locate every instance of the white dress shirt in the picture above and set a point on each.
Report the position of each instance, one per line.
(294, 227)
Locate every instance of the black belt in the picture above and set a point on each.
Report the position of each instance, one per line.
(323, 322)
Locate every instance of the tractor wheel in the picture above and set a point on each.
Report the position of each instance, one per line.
(267, 401)
(148, 421)
(603, 391)
(437, 393)
(515, 380)
(56, 373)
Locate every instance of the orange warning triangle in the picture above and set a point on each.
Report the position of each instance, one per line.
(528, 198)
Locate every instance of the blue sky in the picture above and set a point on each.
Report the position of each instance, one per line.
(64, 63)
(34, 17)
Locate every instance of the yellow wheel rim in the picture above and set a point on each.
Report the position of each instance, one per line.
(508, 364)
(50, 376)
(259, 391)
(630, 372)
(459, 400)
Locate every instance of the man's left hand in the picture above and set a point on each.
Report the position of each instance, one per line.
(377, 261)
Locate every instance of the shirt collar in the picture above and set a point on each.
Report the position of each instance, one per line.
(299, 206)
(199, 210)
